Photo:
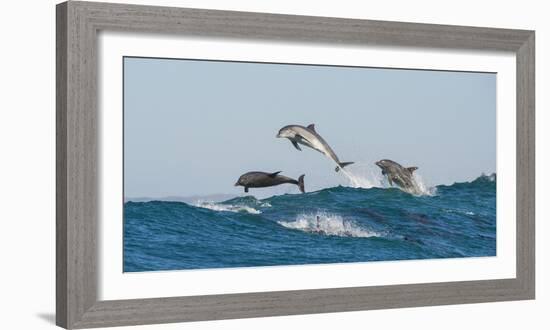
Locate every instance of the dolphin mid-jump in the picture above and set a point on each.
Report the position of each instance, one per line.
(401, 176)
(307, 136)
(264, 179)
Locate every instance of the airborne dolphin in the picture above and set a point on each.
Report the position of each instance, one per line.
(401, 176)
(308, 137)
(264, 179)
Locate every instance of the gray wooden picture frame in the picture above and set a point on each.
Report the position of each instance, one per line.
(78, 24)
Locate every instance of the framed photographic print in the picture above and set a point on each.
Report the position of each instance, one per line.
(215, 164)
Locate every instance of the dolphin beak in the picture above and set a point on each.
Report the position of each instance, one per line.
(236, 184)
(378, 164)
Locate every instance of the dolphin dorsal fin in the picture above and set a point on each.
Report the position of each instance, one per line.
(412, 169)
(311, 127)
(274, 174)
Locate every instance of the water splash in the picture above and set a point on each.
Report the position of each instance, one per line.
(328, 224)
(362, 176)
(227, 207)
(420, 187)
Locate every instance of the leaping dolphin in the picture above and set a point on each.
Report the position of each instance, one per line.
(401, 176)
(264, 179)
(308, 137)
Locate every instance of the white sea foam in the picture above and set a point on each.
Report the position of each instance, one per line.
(490, 177)
(227, 207)
(459, 211)
(328, 224)
(264, 204)
(421, 188)
(362, 175)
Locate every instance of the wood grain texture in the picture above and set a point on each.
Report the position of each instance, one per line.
(165, 310)
(77, 157)
(525, 163)
(232, 24)
(61, 167)
(77, 190)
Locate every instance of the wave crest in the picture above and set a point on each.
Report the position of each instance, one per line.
(486, 178)
(328, 224)
(236, 208)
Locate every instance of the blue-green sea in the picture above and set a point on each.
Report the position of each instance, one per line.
(333, 225)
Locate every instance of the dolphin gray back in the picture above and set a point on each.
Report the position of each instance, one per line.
(311, 135)
(402, 176)
(265, 177)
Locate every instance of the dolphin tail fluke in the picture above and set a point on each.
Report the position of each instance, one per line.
(342, 165)
(412, 169)
(301, 183)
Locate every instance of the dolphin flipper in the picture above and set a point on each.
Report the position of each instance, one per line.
(390, 181)
(295, 144)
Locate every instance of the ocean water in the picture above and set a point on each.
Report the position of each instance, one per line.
(333, 225)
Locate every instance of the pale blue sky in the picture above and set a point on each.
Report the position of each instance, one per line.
(193, 127)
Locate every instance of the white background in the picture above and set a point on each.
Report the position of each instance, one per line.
(27, 169)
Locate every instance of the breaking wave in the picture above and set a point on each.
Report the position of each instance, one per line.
(248, 204)
(328, 224)
(226, 207)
